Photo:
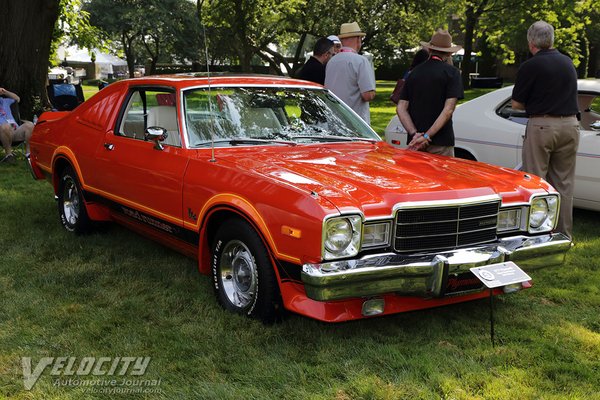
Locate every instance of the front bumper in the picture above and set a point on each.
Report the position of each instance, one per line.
(426, 275)
(35, 171)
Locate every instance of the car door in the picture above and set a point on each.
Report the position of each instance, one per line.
(587, 178)
(515, 122)
(485, 130)
(136, 175)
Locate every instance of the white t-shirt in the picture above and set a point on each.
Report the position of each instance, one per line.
(349, 74)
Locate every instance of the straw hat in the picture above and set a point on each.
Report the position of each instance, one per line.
(350, 29)
(441, 41)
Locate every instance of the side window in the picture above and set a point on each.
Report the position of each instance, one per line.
(133, 121)
(507, 112)
(150, 107)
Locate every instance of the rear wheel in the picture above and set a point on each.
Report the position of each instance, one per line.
(71, 207)
(243, 276)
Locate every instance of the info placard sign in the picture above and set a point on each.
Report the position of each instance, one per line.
(501, 274)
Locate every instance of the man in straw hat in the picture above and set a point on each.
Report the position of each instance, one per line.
(429, 97)
(349, 75)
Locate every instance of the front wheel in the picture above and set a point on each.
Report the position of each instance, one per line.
(464, 154)
(243, 276)
(71, 207)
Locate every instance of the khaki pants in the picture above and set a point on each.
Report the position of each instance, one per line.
(441, 150)
(549, 151)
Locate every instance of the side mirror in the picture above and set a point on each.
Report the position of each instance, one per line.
(157, 135)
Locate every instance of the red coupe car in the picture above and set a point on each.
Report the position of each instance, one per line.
(288, 199)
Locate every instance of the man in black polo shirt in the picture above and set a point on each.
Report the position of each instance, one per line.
(314, 69)
(429, 96)
(546, 88)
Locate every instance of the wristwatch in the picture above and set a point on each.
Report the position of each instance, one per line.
(427, 137)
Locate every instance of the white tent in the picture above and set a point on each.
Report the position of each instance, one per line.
(105, 63)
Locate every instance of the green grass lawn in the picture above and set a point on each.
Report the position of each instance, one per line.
(113, 293)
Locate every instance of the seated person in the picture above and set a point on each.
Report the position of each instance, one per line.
(10, 131)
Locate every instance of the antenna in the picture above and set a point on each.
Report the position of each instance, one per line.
(210, 110)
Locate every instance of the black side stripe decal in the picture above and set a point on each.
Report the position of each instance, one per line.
(159, 224)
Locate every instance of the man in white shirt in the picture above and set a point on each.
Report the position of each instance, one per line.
(350, 75)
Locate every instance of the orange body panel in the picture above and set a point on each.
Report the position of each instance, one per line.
(284, 192)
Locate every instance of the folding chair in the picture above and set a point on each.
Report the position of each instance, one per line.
(65, 96)
(18, 147)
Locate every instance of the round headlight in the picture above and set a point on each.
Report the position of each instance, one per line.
(338, 235)
(539, 213)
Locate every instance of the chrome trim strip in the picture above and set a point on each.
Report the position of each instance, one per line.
(446, 234)
(30, 166)
(479, 200)
(448, 220)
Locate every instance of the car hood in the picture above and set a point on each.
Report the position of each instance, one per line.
(375, 177)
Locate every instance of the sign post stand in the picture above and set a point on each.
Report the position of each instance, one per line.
(492, 317)
(506, 275)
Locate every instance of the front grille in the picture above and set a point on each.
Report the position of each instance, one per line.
(445, 227)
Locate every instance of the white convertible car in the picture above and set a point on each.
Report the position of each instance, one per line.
(487, 129)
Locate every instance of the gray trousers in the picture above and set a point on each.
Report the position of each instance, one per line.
(549, 151)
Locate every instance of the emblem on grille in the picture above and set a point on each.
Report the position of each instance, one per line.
(487, 222)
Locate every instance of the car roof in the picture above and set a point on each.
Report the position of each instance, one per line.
(202, 79)
(583, 85)
(588, 85)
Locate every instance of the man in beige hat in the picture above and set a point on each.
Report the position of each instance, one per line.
(350, 75)
(429, 97)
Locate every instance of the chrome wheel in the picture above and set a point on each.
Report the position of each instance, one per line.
(243, 274)
(71, 206)
(238, 274)
(70, 202)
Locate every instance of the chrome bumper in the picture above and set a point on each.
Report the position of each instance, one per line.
(426, 275)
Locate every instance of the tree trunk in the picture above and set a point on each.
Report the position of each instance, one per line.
(129, 54)
(470, 21)
(26, 28)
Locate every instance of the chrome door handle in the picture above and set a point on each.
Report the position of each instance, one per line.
(109, 146)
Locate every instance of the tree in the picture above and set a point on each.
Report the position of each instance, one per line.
(169, 30)
(120, 20)
(506, 37)
(26, 31)
(475, 10)
(162, 29)
(269, 30)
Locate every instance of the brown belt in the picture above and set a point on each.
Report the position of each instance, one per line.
(552, 116)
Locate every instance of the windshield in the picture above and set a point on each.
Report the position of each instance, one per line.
(258, 115)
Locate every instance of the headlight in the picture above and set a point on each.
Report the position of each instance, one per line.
(341, 237)
(543, 213)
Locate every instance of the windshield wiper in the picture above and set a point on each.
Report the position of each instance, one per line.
(236, 141)
(332, 138)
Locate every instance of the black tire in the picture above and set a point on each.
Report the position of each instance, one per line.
(464, 154)
(71, 207)
(243, 277)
